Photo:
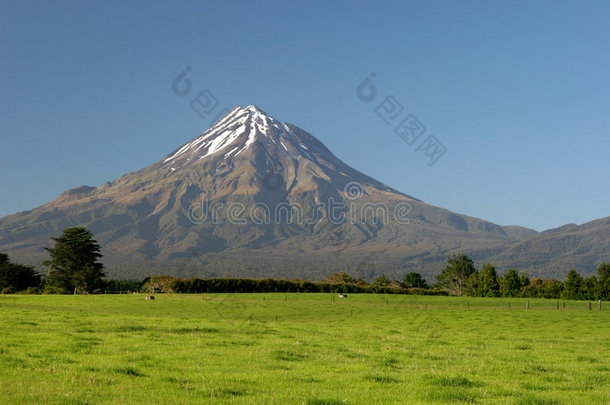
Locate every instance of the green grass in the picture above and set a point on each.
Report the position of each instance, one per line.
(306, 349)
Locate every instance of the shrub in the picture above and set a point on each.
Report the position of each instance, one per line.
(50, 289)
(9, 290)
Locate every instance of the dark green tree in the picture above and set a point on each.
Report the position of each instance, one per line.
(512, 284)
(603, 281)
(488, 279)
(414, 280)
(524, 279)
(473, 285)
(572, 287)
(382, 281)
(590, 288)
(16, 277)
(454, 276)
(122, 285)
(74, 262)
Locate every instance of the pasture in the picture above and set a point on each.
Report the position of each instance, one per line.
(301, 349)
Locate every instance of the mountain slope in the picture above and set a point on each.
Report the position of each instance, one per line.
(253, 196)
(554, 252)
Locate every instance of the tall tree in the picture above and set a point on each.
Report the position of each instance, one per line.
(414, 280)
(454, 276)
(489, 281)
(512, 284)
(572, 287)
(603, 281)
(74, 262)
(473, 285)
(590, 288)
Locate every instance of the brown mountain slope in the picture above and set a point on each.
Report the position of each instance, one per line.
(253, 196)
(554, 252)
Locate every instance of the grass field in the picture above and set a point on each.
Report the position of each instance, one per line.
(301, 349)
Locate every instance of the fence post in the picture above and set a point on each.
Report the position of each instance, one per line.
(589, 306)
(527, 304)
(599, 304)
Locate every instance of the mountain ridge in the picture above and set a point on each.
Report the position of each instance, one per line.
(316, 214)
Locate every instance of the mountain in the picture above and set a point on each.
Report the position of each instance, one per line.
(554, 252)
(256, 197)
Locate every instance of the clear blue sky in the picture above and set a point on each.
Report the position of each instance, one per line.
(518, 92)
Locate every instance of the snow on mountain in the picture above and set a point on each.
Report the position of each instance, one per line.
(315, 207)
(236, 132)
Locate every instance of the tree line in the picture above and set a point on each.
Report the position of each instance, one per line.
(337, 283)
(74, 267)
(460, 277)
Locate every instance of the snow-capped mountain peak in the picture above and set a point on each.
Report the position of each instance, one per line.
(239, 130)
(253, 184)
(250, 138)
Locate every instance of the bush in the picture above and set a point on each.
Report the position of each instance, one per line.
(9, 290)
(547, 288)
(16, 277)
(122, 285)
(50, 289)
(32, 290)
(155, 284)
